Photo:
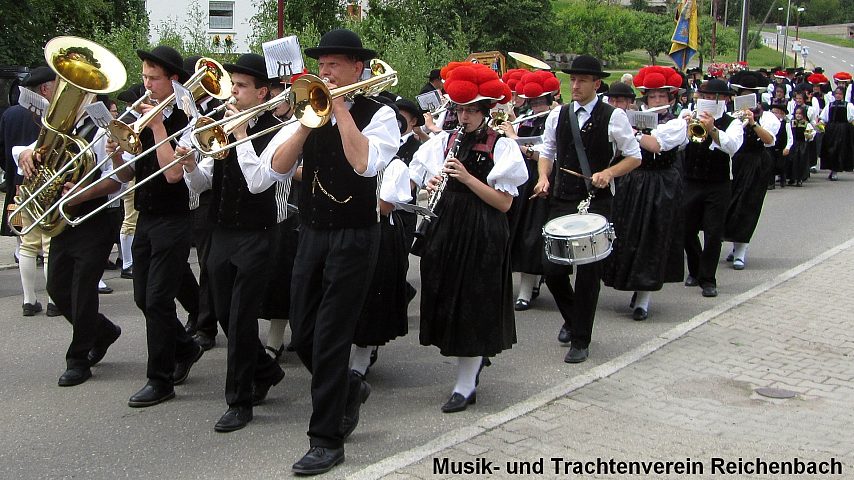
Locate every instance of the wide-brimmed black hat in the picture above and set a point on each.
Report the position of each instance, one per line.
(693, 70)
(38, 76)
(748, 80)
(435, 74)
(341, 41)
(250, 64)
(715, 86)
(132, 94)
(620, 89)
(168, 58)
(412, 108)
(780, 106)
(586, 65)
(190, 64)
(817, 70)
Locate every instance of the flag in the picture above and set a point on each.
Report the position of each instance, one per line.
(685, 37)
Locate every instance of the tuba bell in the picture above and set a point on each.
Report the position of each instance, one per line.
(83, 70)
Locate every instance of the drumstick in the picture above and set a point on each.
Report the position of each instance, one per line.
(575, 173)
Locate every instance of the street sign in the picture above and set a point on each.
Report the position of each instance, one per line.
(805, 51)
(796, 47)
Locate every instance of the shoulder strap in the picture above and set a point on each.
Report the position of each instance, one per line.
(579, 149)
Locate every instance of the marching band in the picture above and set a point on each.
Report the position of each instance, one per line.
(322, 174)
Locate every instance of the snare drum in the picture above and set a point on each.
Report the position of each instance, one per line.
(578, 239)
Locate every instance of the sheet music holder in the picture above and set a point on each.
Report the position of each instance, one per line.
(99, 114)
(32, 101)
(429, 101)
(417, 209)
(531, 141)
(744, 102)
(642, 120)
(283, 57)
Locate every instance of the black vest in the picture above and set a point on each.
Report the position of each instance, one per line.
(333, 195)
(838, 112)
(799, 134)
(408, 149)
(662, 160)
(752, 144)
(236, 206)
(87, 131)
(533, 127)
(708, 165)
(594, 136)
(475, 153)
(780, 140)
(158, 196)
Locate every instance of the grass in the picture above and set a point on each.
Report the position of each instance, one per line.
(756, 58)
(818, 37)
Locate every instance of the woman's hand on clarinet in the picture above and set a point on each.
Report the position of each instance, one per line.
(455, 169)
(433, 183)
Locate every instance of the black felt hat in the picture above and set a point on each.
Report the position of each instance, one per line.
(780, 106)
(435, 74)
(586, 65)
(250, 64)
(620, 89)
(190, 64)
(748, 80)
(168, 58)
(38, 76)
(132, 94)
(818, 70)
(341, 41)
(412, 108)
(715, 86)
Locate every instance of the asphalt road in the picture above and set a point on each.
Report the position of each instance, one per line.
(830, 57)
(89, 432)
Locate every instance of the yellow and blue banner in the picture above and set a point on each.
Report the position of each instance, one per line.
(685, 38)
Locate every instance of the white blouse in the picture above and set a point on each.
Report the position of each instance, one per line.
(671, 134)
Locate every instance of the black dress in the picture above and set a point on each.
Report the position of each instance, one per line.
(466, 289)
(527, 216)
(648, 220)
(837, 149)
(799, 155)
(752, 165)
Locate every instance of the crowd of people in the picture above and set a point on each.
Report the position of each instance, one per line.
(312, 226)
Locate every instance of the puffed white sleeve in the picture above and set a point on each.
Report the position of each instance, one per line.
(770, 122)
(383, 136)
(428, 159)
(549, 148)
(672, 134)
(200, 179)
(509, 170)
(730, 139)
(395, 186)
(790, 139)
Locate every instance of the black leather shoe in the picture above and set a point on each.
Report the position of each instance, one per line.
(74, 376)
(190, 326)
(96, 354)
(640, 314)
(710, 291)
(105, 290)
(110, 265)
(351, 411)
(233, 419)
(204, 341)
(127, 272)
(151, 394)
(633, 300)
(522, 305)
(259, 390)
(458, 402)
(576, 355)
(182, 368)
(52, 310)
(318, 460)
(30, 309)
(535, 292)
(691, 281)
(563, 335)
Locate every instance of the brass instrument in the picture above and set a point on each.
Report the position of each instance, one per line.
(696, 131)
(528, 62)
(312, 99)
(531, 116)
(84, 69)
(436, 194)
(210, 78)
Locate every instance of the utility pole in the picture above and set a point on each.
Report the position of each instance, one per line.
(715, 28)
(786, 33)
(742, 38)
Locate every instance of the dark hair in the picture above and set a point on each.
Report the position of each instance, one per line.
(166, 69)
(484, 106)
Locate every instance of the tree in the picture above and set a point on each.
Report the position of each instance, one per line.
(598, 29)
(654, 33)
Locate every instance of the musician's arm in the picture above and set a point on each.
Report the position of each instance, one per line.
(23, 157)
(166, 153)
(547, 154)
(621, 133)
(286, 154)
(369, 151)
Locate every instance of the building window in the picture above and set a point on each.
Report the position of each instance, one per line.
(221, 15)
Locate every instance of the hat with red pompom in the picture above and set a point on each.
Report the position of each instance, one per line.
(537, 84)
(817, 79)
(779, 74)
(467, 82)
(512, 77)
(842, 76)
(657, 78)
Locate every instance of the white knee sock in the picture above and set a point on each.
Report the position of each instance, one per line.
(467, 368)
(46, 260)
(360, 359)
(27, 266)
(276, 334)
(739, 250)
(125, 242)
(101, 283)
(642, 300)
(526, 286)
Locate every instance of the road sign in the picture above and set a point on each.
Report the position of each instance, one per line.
(796, 47)
(805, 51)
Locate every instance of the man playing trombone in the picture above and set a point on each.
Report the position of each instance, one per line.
(163, 234)
(243, 211)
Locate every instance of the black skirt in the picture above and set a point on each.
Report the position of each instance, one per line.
(384, 313)
(799, 161)
(837, 147)
(648, 222)
(466, 290)
(277, 301)
(527, 217)
(751, 173)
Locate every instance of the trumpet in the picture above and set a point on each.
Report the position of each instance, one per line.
(696, 131)
(210, 79)
(312, 99)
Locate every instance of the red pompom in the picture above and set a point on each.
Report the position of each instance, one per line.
(493, 88)
(552, 84)
(463, 73)
(461, 92)
(532, 90)
(654, 80)
(817, 79)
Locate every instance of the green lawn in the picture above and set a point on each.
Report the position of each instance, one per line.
(818, 37)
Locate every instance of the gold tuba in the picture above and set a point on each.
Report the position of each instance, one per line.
(83, 70)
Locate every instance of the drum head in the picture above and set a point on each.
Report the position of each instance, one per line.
(574, 224)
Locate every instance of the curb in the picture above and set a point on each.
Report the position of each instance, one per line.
(454, 437)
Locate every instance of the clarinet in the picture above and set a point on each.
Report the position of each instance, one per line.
(436, 194)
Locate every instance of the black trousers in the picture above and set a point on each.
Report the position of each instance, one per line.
(160, 249)
(705, 209)
(331, 278)
(239, 271)
(206, 321)
(577, 306)
(188, 293)
(77, 258)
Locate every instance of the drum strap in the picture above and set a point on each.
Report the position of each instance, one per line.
(579, 151)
